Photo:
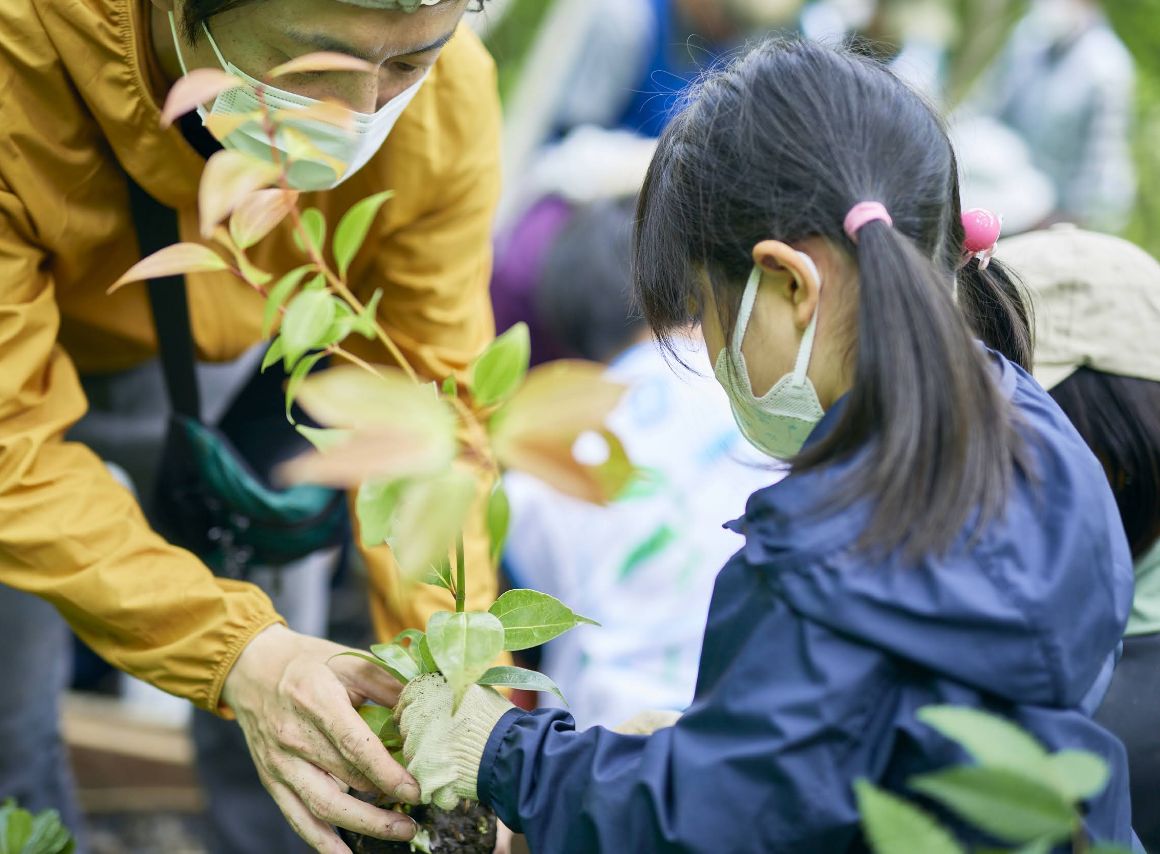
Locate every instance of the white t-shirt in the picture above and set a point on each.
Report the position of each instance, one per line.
(643, 567)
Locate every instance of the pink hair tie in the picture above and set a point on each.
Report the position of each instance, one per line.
(863, 213)
(981, 230)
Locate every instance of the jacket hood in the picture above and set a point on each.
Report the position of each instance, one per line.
(1028, 610)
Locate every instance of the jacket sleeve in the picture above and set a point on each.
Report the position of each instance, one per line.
(435, 273)
(762, 761)
(71, 534)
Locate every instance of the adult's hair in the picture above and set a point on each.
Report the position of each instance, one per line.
(1119, 418)
(198, 12)
(584, 298)
(782, 144)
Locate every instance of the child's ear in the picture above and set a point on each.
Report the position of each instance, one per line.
(804, 288)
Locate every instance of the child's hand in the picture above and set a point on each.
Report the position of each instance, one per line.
(443, 750)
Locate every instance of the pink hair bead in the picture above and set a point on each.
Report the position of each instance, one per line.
(981, 230)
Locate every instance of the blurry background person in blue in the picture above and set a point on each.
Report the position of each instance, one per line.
(643, 567)
(1097, 315)
(945, 535)
(1065, 83)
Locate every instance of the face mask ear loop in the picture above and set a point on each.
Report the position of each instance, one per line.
(805, 351)
(744, 312)
(225, 65)
(177, 43)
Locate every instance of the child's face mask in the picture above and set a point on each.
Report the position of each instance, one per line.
(779, 422)
(343, 151)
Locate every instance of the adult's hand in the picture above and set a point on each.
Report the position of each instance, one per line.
(296, 704)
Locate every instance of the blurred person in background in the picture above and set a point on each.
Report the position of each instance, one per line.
(1097, 312)
(643, 54)
(643, 567)
(1065, 83)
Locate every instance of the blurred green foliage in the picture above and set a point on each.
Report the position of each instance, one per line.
(511, 38)
(980, 29)
(1138, 23)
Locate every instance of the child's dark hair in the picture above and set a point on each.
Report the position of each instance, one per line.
(1119, 418)
(782, 144)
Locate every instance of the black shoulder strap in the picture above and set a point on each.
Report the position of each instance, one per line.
(157, 228)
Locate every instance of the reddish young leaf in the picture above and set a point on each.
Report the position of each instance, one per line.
(322, 61)
(222, 125)
(259, 214)
(299, 147)
(229, 177)
(327, 112)
(348, 396)
(197, 87)
(173, 261)
(537, 430)
(381, 453)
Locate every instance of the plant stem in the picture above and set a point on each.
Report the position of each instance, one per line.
(1079, 841)
(460, 576)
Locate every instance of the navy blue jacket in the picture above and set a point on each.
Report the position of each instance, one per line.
(816, 660)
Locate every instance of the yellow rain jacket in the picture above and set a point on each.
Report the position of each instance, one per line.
(79, 102)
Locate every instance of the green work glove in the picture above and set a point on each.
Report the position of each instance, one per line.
(443, 749)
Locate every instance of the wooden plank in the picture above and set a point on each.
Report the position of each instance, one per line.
(106, 725)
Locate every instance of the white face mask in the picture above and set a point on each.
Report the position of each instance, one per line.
(345, 150)
(779, 422)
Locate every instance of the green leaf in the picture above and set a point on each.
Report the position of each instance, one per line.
(398, 660)
(893, 826)
(353, 227)
(409, 640)
(375, 507)
(441, 575)
(1002, 802)
(431, 514)
(364, 324)
(426, 659)
(1077, 774)
(451, 387)
(1109, 849)
(306, 322)
(323, 440)
(340, 327)
(499, 516)
(500, 370)
(381, 720)
(278, 295)
(990, 740)
(301, 370)
(464, 646)
(518, 677)
(531, 618)
(314, 224)
(376, 661)
(23, 833)
(274, 353)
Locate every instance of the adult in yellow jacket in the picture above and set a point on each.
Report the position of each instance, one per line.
(81, 83)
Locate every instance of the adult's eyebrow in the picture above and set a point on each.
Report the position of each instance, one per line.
(324, 42)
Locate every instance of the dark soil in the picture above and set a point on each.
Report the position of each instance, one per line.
(468, 829)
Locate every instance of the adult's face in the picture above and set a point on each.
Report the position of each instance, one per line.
(258, 35)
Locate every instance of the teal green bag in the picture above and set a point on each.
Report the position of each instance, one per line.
(208, 498)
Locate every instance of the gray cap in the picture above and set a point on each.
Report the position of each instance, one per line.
(1096, 300)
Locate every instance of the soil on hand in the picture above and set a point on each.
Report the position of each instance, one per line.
(468, 829)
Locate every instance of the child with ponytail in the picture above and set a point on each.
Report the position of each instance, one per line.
(945, 536)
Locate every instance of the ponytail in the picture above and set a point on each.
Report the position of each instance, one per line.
(995, 308)
(936, 440)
